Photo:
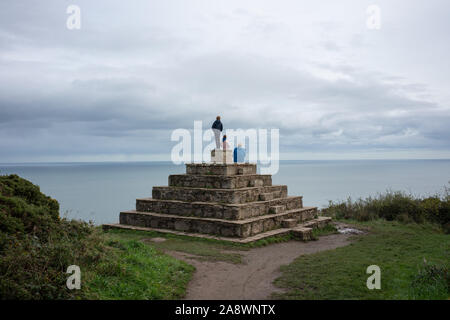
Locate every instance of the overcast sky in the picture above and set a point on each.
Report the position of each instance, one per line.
(136, 70)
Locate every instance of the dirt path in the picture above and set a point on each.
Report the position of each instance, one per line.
(252, 279)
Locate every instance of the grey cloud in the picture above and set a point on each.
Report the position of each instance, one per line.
(122, 88)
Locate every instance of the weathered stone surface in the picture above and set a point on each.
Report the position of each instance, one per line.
(302, 233)
(182, 225)
(221, 156)
(226, 228)
(276, 209)
(219, 182)
(218, 210)
(289, 223)
(220, 169)
(302, 214)
(269, 224)
(249, 239)
(227, 201)
(319, 222)
(241, 195)
(266, 196)
(297, 232)
(257, 227)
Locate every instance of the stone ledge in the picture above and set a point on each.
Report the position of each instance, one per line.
(224, 169)
(230, 222)
(319, 222)
(221, 227)
(298, 232)
(254, 238)
(218, 210)
(242, 195)
(220, 182)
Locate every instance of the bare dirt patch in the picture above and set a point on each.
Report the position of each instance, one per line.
(157, 239)
(253, 279)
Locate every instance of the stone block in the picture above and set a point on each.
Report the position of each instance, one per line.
(289, 223)
(182, 225)
(276, 209)
(266, 196)
(221, 156)
(302, 233)
(228, 231)
(269, 224)
(219, 182)
(242, 195)
(245, 230)
(224, 169)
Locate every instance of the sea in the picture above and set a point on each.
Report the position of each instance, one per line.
(98, 191)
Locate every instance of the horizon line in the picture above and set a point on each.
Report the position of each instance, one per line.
(283, 160)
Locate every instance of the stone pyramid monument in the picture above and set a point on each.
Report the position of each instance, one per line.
(225, 201)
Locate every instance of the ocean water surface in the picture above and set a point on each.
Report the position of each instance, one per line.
(99, 191)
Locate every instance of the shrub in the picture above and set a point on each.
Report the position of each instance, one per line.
(431, 282)
(36, 246)
(395, 206)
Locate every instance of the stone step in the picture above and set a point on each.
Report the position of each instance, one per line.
(224, 169)
(227, 228)
(242, 195)
(289, 223)
(266, 196)
(304, 231)
(278, 209)
(263, 235)
(220, 182)
(300, 232)
(319, 222)
(219, 210)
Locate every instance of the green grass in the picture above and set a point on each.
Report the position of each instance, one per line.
(398, 249)
(134, 270)
(327, 230)
(203, 249)
(432, 282)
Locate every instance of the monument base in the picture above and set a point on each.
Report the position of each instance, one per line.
(225, 201)
(221, 156)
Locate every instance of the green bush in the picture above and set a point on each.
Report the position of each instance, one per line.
(36, 246)
(431, 282)
(395, 206)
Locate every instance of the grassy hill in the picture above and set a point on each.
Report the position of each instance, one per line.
(37, 246)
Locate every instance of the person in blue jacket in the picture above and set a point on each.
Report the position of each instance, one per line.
(239, 154)
(217, 129)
